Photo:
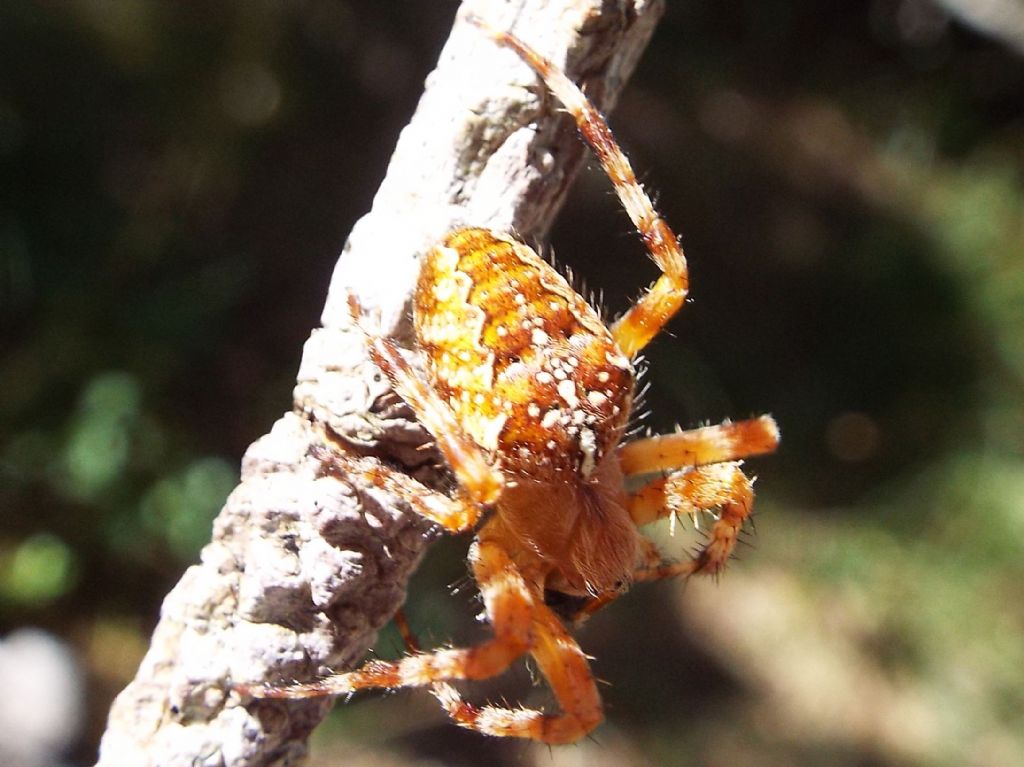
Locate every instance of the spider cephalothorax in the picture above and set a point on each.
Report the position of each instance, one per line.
(528, 394)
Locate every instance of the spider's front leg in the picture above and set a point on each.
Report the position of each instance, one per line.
(453, 514)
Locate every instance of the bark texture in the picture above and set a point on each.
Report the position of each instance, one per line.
(305, 565)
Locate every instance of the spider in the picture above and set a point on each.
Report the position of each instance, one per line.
(528, 395)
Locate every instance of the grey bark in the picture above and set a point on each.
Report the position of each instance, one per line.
(305, 565)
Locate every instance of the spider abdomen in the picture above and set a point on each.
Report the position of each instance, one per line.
(527, 364)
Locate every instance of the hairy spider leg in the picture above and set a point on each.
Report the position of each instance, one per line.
(563, 664)
(510, 606)
(456, 514)
(480, 481)
(730, 441)
(721, 486)
(405, 631)
(645, 319)
(445, 692)
(705, 475)
(711, 479)
(567, 671)
(520, 624)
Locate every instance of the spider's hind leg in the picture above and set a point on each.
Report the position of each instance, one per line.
(510, 607)
(567, 671)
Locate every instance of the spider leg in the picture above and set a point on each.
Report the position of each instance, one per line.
(521, 623)
(454, 514)
(691, 491)
(698, 447)
(635, 329)
(568, 673)
(480, 481)
(510, 606)
(688, 491)
(711, 479)
(715, 480)
(405, 631)
(445, 692)
(462, 713)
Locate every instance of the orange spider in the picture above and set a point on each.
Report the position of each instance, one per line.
(528, 395)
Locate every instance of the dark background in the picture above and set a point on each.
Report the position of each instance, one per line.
(178, 178)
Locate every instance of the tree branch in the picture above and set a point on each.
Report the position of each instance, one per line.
(305, 565)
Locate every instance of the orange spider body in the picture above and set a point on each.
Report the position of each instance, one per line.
(537, 381)
(528, 393)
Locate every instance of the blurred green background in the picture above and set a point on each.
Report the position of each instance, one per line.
(177, 179)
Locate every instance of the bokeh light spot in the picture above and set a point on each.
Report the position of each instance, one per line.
(99, 442)
(250, 94)
(41, 569)
(853, 437)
